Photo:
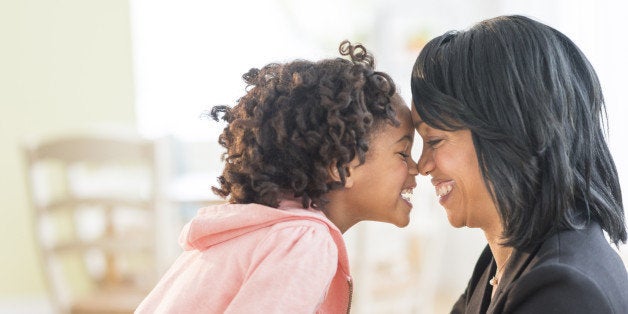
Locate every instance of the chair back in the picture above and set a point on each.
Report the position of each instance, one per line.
(94, 205)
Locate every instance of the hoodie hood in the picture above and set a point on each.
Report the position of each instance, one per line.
(229, 269)
(218, 223)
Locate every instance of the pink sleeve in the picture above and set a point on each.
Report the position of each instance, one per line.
(290, 272)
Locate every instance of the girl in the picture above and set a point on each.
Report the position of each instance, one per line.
(312, 149)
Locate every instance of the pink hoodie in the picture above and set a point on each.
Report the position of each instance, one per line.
(256, 259)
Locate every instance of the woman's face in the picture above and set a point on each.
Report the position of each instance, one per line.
(451, 161)
(380, 188)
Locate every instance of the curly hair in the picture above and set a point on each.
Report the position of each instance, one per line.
(295, 121)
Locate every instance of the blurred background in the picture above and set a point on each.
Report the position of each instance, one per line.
(149, 70)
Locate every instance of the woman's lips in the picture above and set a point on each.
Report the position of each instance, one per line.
(443, 188)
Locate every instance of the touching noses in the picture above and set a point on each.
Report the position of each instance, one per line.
(413, 168)
(425, 164)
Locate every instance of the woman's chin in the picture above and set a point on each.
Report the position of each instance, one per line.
(455, 222)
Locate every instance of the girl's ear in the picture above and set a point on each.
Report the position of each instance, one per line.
(334, 174)
(350, 172)
(349, 176)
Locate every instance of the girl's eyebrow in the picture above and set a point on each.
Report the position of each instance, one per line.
(406, 138)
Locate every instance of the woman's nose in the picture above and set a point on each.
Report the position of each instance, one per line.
(425, 165)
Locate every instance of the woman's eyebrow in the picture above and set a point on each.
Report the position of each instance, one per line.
(417, 123)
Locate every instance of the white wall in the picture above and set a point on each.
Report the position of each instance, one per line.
(64, 66)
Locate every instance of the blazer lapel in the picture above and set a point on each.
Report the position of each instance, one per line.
(518, 263)
(478, 295)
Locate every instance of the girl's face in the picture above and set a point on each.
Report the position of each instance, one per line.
(450, 159)
(379, 189)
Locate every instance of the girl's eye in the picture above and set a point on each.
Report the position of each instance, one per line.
(404, 155)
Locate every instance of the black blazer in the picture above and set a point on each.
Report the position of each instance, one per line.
(572, 272)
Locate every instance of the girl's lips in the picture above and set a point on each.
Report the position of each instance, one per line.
(406, 195)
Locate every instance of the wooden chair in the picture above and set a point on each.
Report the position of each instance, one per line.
(94, 200)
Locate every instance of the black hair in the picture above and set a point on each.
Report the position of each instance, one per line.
(535, 108)
(298, 119)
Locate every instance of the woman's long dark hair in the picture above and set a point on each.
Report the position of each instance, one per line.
(296, 120)
(534, 106)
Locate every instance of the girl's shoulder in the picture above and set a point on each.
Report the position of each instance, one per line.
(303, 229)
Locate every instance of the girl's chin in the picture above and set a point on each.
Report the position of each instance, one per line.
(402, 224)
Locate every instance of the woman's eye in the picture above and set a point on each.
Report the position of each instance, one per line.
(404, 155)
(433, 143)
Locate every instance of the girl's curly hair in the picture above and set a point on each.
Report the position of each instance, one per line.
(296, 120)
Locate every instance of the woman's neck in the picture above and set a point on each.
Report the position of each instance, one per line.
(501, 254)
(494, 238)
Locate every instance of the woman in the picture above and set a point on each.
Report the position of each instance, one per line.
(510, 113)
(312, 149)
